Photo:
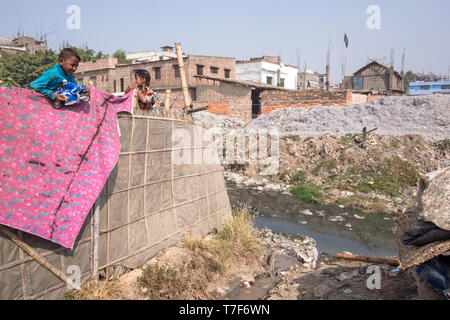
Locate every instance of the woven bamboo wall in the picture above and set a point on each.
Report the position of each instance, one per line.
(148, 203)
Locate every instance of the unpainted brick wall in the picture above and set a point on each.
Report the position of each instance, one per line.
(219, 108)
(280, 99)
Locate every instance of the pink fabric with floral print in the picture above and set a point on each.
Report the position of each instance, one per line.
(55, 162)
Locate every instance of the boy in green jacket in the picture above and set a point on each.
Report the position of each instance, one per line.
(51, 80)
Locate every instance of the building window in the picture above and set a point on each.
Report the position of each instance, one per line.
(107, 78)
(122, 85)
(281, 82)
(445, 86)
(157, 72)
(200, 70)
(227, 73)
(103, 78)
(214, 70)
(176, 70)
(424, 87)
(93, 81)
(270, 80)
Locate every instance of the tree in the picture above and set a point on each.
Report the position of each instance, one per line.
(409, 77)
(21, 69)
(121, 57)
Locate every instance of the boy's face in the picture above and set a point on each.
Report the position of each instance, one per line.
(69, 65)
(141, 82)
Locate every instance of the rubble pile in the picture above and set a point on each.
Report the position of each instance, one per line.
(395, 115)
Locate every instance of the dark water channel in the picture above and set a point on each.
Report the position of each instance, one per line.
(353, 231)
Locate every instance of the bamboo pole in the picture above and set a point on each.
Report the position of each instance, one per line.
(42, 261)
(167, 103)
(392, 262)
(184, 85)
(95, 241)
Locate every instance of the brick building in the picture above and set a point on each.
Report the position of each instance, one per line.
(375, 77)
(248, 99)
(111, 77)
(22, 44)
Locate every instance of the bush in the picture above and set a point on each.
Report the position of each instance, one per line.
(308, 192)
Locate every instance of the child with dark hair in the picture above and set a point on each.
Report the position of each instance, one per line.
(146, 97)
(52, 79)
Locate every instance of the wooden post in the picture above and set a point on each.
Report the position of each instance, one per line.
(41, 260)
(392, 262)
(95, 244)
(184, 86)
(167, 103)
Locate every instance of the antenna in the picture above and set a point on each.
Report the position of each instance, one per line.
(392, 57)
(329, 52)
(299, 58)
(403, 60)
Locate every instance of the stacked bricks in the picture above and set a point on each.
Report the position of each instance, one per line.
(281, 99)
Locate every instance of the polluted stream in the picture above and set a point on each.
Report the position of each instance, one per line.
(334, 229)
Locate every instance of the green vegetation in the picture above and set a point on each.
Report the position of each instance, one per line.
(395, 143)
(282, 175)
(292, 137)
(347, 140)
(121, 57)
(300, 176)
(325, 164)
(446, 143)
(308, 192)
(22, 69)
(389, 178)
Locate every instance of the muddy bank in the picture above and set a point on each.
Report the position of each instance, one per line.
(334, 229)
(377, 177)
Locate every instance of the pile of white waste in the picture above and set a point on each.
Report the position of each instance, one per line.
(427, 115)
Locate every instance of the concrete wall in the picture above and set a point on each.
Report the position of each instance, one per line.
(251, 71)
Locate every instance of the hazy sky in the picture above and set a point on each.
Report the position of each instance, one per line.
(249, 28)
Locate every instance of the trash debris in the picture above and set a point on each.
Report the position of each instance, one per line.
(245, 285)
(347, 275)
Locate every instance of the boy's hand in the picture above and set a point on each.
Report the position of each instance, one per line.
(60, 98)
(132, 86)
(87, 90)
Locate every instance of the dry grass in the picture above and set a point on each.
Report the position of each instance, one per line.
(191, 276)
(208, 259)
(107, 290)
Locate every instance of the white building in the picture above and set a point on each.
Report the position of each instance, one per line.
(268, 70)
(147, 56)
(309, 79)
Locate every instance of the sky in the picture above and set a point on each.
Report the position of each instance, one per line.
(249, 28)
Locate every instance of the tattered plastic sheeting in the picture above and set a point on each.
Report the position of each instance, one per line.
(148, 204)
(435, 201)
(55, 162)
(432, 205)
